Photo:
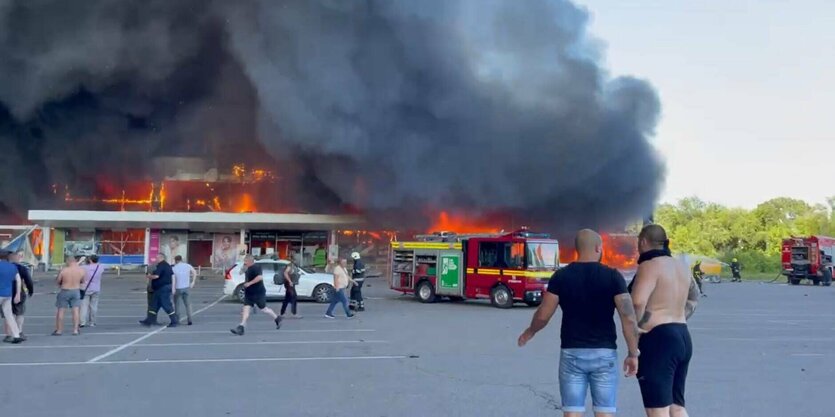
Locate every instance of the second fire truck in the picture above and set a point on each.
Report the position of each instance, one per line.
(505, 268)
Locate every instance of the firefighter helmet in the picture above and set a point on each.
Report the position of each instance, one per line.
(355, 256)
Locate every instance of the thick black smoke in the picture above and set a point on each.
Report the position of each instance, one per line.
(472, 106)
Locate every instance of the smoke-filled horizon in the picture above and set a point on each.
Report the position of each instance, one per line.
(398, 108)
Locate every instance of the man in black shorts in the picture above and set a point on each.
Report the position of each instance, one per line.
(665, 296)
(255, 295)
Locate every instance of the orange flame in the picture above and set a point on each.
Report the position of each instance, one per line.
(460, 224)
(619, 251)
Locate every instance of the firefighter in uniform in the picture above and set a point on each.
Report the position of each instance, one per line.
(358, 274)
(735, 271)
(697, 275)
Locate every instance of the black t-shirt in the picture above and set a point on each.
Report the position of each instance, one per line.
(587, 293)
(255, 289)
(165, 274)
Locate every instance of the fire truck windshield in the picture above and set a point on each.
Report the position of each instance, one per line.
(542, 255)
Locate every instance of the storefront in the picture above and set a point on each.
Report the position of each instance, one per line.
(215, 240)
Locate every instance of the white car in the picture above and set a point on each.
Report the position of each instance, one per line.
(312, 285)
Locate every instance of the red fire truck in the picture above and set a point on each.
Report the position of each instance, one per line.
(804, 256)
(504, 267)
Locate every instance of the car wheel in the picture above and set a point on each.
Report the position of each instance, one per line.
(323, 293)
(240, 293)
(501, 297)
(425, 292)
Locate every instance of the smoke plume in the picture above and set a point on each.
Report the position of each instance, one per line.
(406, 107)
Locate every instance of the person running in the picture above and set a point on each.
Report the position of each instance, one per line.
(90, 302)
(70, 280)
(588, 293)
(185, 277)
(664, 297)
(19, 309)
(291, 297)
(10, 289)
(340, 282)
(163, 290)
(255, 295)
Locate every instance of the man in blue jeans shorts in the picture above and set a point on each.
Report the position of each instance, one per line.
(589, 293)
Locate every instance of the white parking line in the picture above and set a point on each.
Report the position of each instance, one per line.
(807, 354)
(149, 334)
(294, 342)
(176, 332)
(226, 360)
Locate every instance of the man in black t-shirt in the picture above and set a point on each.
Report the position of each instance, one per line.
(588, 293)
(255, 294)
(163, 289)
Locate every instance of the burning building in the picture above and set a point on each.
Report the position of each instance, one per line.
(499, 112)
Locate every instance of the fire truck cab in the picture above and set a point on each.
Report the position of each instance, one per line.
(505, 268)
(803, 257)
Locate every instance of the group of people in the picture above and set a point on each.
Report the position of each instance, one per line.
(653, 311)
(255, 293)
(79, 289)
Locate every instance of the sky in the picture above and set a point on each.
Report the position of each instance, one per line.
(747, 90)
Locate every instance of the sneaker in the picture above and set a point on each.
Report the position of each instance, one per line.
(82, 325)
(190, 323)
(23, 337)
(238, 330)
(351, 316)
(278, 322)
(173, 324)
(17, 340)
(8, 339)
(297, 316)
(328, 316)
(56, 333)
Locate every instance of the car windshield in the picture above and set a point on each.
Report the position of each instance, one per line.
(542, 255)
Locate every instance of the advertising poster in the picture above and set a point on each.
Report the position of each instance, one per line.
(153, 247)
(224, 251)
(173, 243)
(57, 249)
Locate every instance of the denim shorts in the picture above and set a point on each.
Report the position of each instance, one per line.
(581, 369)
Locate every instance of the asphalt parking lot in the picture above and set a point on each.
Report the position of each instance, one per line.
(760, 350)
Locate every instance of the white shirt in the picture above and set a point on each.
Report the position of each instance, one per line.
(182, 274)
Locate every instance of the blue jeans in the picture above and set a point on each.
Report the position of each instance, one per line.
(339, 297)
(584, 368)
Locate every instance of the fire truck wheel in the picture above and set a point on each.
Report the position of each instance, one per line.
(501, 297)
(794, 281)
(816, 281)
(425, 292)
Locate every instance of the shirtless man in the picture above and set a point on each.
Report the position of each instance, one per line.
(665, 296)
(70, 279)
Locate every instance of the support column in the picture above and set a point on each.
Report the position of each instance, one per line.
(147, 246)
(46, 236)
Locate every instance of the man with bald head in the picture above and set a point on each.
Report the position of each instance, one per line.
(665, 296)
(588, 292)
